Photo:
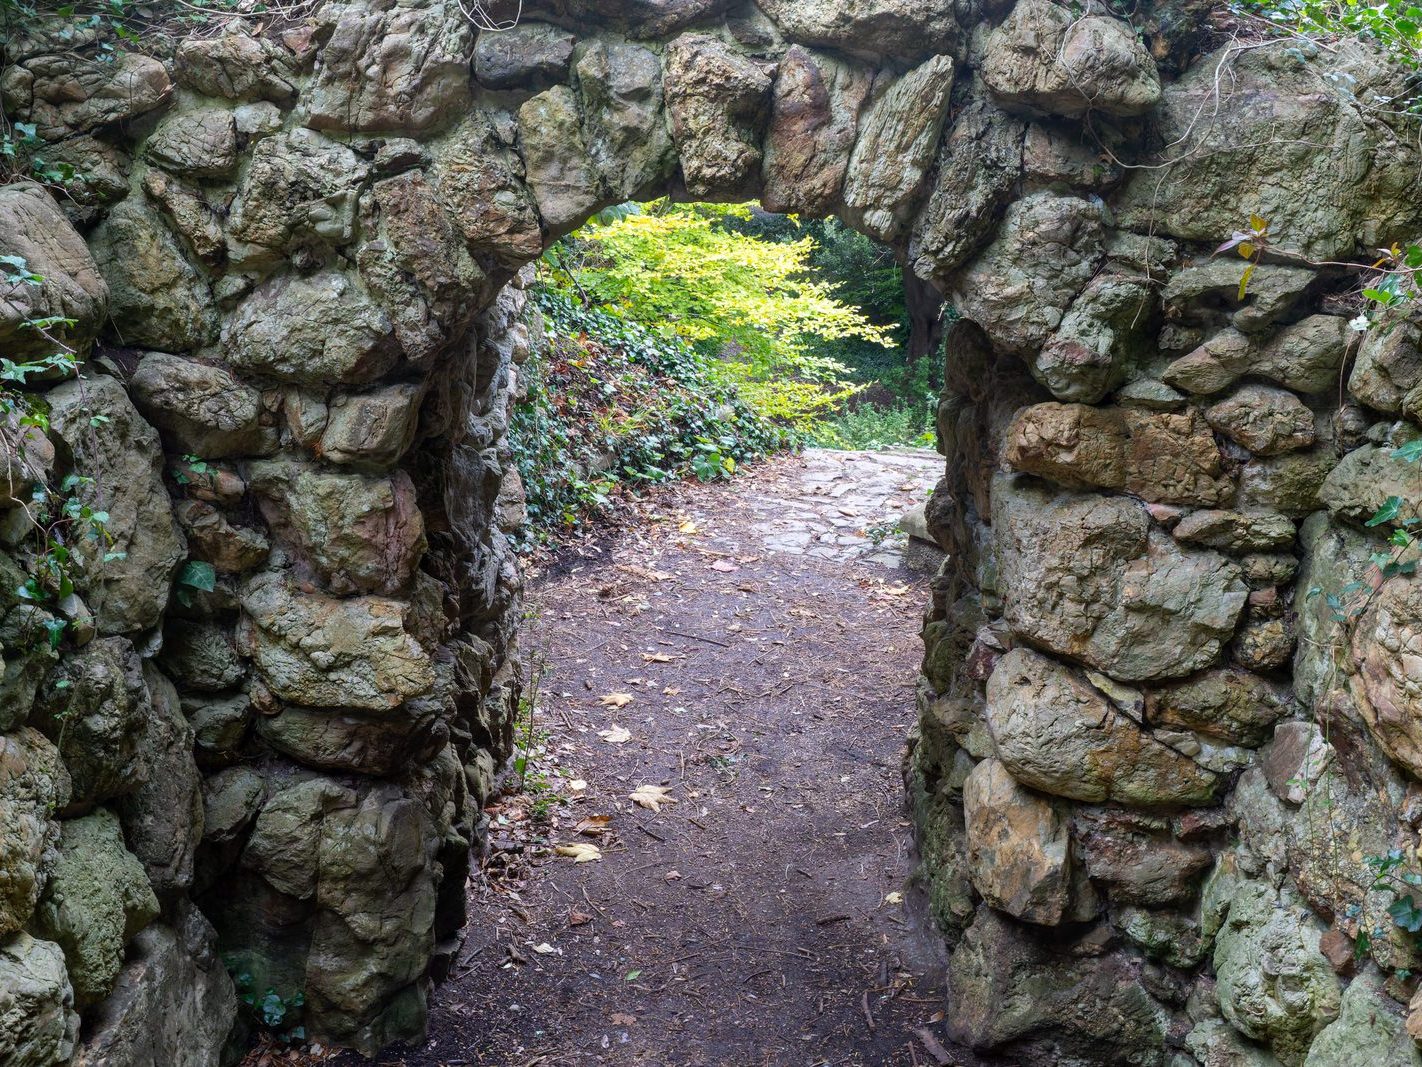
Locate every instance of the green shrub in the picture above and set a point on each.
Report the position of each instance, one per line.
(611, 407)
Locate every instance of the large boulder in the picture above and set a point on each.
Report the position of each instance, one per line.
(38, 1023)
(33, 786)
(624, 117)
(1366, 479)
(235, 65)
(718, 102)
(979, 165)
(203, 409)
(95, 706)
(111, 444)
(1086, 577)
(1055, 732)
(479, 178)
(370, 431)
(560, 171)
(1233, 705)
(34, 229)
(320, 329)
(320, 651)
(1047, 58)
(197, 143)
(898, 138)
(1019, 288)
(63, 94)
(1305, 357)
(1005, 984)
(162, 818)
(1019, 845)
(301, 188)
(1272, 982)
(900, 28)
(156, 298)
(1388, 369)
(352, 532)
(814, 117)
(528, 55)
(390, 65)
(1288, 136)
(1371, 1029)
(172, 975)
(420, 269)
(97, 899)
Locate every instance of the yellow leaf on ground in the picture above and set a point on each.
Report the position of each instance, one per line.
(894, 898)
(651, 797)
(656, 657)
(615, 700)
(618, 735)
(687, 527)
(580, 852)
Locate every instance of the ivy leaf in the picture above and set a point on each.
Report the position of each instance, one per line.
(1391, 506)
(198, 574)
(1410, 452)
(1406, 914)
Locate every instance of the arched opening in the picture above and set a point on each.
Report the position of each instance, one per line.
(281, 255)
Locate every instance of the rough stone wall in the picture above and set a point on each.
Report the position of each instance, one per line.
(1147, 768)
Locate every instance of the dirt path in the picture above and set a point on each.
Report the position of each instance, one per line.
(758, 652)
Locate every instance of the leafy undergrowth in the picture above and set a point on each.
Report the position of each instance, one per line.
(613, 409)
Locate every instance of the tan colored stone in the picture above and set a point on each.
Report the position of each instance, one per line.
(1019, 846)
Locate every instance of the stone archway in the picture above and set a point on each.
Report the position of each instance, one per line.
(307, 243)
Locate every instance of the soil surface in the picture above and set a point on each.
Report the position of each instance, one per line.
(749, 651)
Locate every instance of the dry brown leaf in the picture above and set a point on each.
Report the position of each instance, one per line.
(615, 700)
(618, 735)
(651, 797)
(579, 918)
(618, 1018)
(580, 852)
(656, 657)
(724, 565)
(593, 825)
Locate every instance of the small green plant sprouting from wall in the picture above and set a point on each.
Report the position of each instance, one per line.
(276, 1013)
(68, 535)
(1389, 874)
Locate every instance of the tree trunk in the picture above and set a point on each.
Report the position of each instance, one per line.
(925, 314)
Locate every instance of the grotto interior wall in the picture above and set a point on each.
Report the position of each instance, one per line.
(1147, 766)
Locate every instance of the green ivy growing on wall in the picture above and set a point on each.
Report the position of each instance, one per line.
(611, 407)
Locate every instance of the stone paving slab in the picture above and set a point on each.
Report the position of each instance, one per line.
(845, 506)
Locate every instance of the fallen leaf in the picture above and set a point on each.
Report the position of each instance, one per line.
(593, 825)
(615, 700)
(671, 691)
(632, 976)
(577, 785)
(651, 797)
(894, 898)
(545, 949)
(897, 590)
(724, 565)
(656, 657)
(580, 852)
(579, 918)
(618, 735)
(672, 876)
(687, 527)
(618, 1018)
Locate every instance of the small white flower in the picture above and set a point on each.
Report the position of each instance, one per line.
(1360, 323)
